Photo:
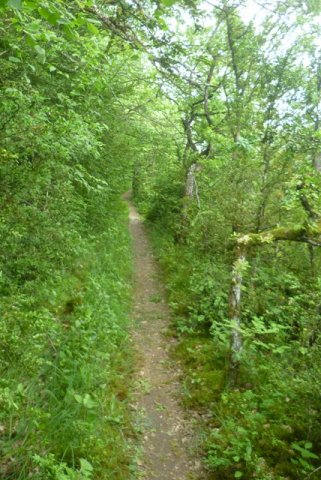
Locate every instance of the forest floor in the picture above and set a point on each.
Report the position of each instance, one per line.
(168, 440)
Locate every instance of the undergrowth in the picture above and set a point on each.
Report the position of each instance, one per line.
(268, 427)
(64, 400)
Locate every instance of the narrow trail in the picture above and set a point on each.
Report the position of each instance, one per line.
(167, 435)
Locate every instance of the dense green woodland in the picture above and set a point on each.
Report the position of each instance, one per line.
(214, 119)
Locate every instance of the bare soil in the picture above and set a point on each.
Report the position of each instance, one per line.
(167, 435)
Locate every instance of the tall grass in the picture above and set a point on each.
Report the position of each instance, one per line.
(64, 412)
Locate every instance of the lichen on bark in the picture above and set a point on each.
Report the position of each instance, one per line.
(305, 233)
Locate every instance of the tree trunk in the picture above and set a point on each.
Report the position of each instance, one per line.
(191, 185)
(235, 317)
(317, 161)
(191, 190)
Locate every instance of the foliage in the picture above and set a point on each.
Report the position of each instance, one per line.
(246, 167)
(217, 123)
(65, 251)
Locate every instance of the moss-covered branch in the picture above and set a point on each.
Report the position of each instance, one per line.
(307, 233)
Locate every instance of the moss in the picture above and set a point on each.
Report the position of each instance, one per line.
(203, 372)
(293, 233)
(296, 233)
(203, 388)
(315, 229)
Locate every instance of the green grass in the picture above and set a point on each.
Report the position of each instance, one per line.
(65, 408)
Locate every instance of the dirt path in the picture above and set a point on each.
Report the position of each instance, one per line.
(166, 433)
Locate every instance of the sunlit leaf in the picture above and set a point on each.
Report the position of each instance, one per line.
(15, 4)
(92, 28)
(168, 3)
(14, 59)
(41, 54)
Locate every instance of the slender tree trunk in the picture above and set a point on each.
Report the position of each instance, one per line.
(235, 317)
(191, 189)
(190, 181)
(317, 161)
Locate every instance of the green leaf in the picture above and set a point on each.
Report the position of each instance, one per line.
(168, 3)
(30, 40)
(88, 402)
(41, 54)
(305, 464)
(85, 466)
(307, 454)
(92, 28)
(238, 474)
(14, 60)
(20, 388)
(51, 17)
(31, 4)
(15, 4)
